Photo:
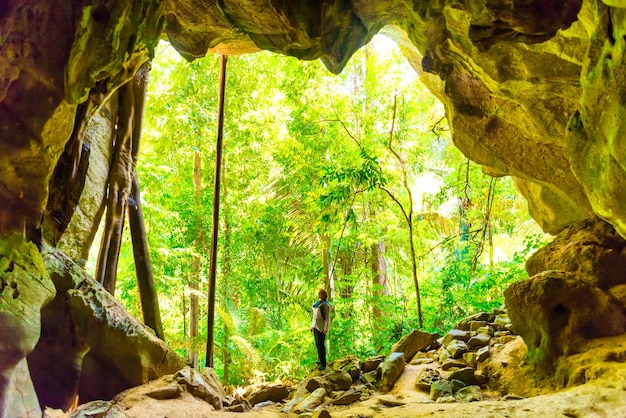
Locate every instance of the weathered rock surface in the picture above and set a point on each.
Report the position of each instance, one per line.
(556, 311)
(413, 342)
(90, 345)
(196, 389)
(573, 294)
(590, 248)
(391, 369)
(535, 79)
(25, 287)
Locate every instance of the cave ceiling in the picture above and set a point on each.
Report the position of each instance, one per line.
(533, 89)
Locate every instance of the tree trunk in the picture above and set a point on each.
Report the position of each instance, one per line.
(143, 266)
(216, 212)
(380, 289)
(226, 276)
(328, 282)
(119, 190)
(197, 272)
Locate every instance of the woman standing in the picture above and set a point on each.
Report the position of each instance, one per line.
(319, 326)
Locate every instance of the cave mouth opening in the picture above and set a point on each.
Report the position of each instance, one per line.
(302, 146)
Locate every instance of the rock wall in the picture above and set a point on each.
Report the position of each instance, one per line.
(532, 90)
(576, 293)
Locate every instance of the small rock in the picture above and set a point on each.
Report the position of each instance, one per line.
(426, 378)
(369, 377)
(390, 401)
(455, 334)
(469, 394)
(314, 400)
(465, 324)
(482, 354)
(511, 397)
(465, 375)
(457, 348)
(452, 364)
(444, 355)
(479, 340)
(264, 404)
(488, 330)
(422, 360)
(440, 388)
(348, 397)
(471, 359)
(457, 385)
(371, 363)
(475, 325)
(349, 364)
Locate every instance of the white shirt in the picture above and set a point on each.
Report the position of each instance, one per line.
(318, 322)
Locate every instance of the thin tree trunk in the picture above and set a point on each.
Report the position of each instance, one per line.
(143, 267)
(119, 190)
(408, 213)
(216, 212)
(226, 276)
(380, 288)
(197, 272)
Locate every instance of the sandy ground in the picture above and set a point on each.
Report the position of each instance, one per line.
(602, 366)
(587, 401)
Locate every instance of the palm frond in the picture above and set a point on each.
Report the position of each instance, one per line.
(283, 340)
(246, 348)
(228, 319)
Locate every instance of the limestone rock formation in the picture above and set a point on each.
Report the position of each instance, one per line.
(523, 84)
(90, 346)
(573, 294)
(198, 391)
(25, 287)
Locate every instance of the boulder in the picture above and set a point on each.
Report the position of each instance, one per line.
(273, 392)
(413, 342)
(90, 345)
(198, 390)
(591, 249)
(392, 368)
(350, 364)
(556, 311)
(426, 378)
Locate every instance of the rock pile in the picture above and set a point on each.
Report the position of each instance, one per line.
(455, 361)
(452, 368)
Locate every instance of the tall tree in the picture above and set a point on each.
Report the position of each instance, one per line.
(216, 211)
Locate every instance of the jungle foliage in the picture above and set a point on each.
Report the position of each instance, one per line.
(323, 178)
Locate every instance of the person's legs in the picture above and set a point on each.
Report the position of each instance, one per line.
(320, 339)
